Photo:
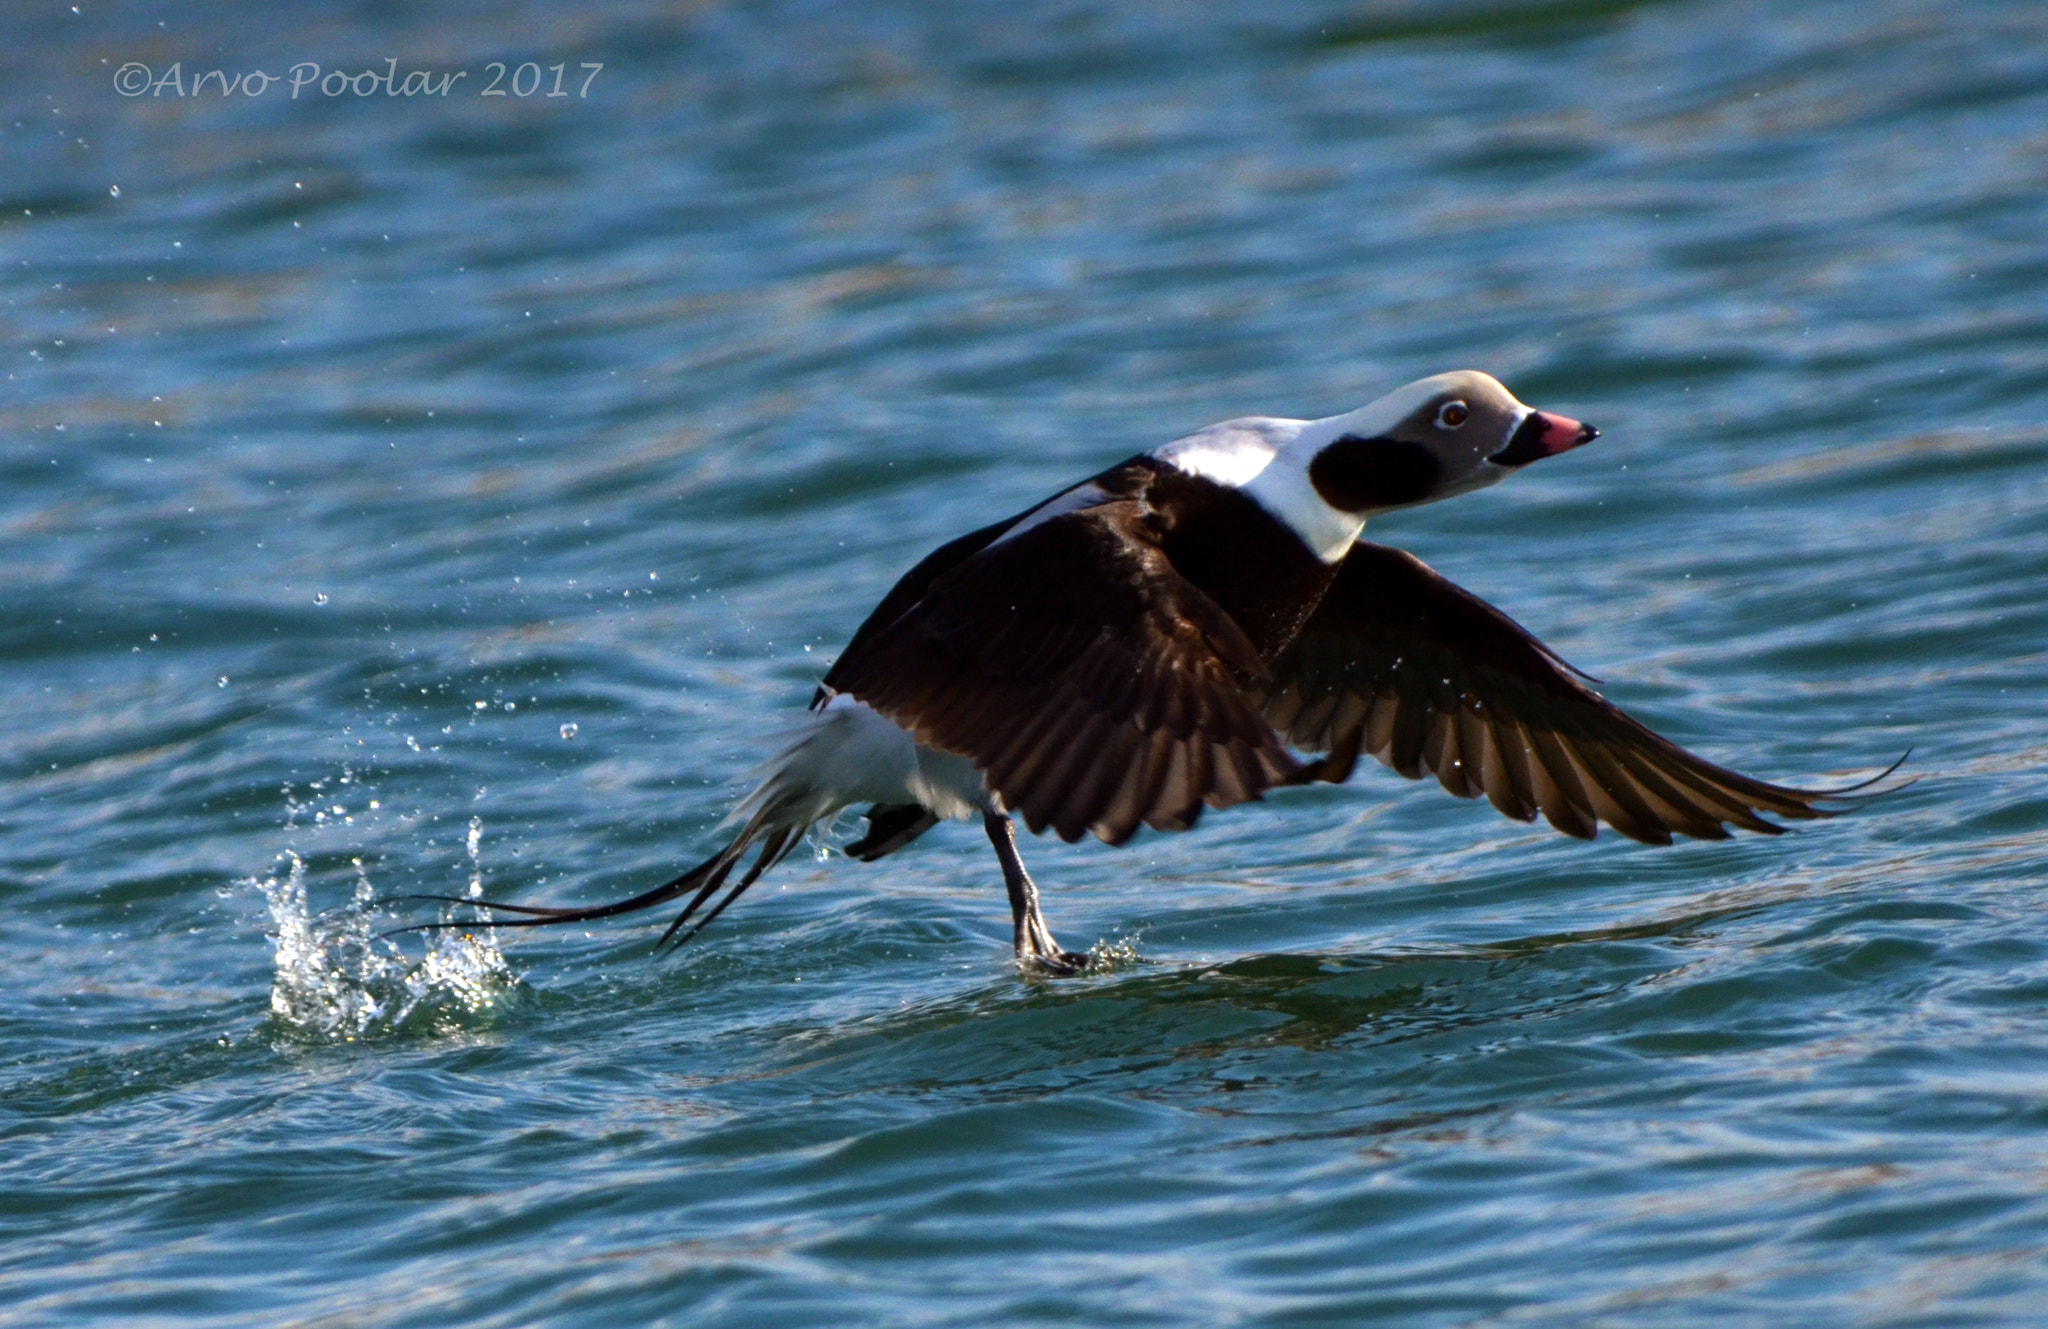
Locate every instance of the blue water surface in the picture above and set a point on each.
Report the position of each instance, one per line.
(426, 493)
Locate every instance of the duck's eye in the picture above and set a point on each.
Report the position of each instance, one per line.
(1452, 414)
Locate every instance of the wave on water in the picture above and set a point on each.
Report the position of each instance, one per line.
(338, 979)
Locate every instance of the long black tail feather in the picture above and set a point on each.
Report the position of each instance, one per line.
(773, 852)
(1863, 792)
(704, 880)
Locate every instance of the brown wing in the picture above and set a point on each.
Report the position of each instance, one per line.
(1400, 663)
(1094, 686)
(907, 591)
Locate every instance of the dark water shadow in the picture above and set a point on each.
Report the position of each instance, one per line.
(1473, 22)
(1037, 1034)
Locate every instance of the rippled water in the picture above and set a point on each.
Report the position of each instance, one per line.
(409, 494)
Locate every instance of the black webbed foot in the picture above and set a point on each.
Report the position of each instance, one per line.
(1055, 964)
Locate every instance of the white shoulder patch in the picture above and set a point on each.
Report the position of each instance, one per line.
(1078, 498)
(1232, 453)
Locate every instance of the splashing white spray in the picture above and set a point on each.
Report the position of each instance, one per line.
(337, 979)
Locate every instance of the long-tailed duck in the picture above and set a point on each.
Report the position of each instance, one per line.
(1168, 634)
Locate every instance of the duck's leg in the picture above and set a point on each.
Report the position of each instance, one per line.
(1035, 947)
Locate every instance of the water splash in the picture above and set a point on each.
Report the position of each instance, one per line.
(1107, 956)
(337, 979)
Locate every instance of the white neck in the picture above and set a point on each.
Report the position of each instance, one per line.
(1267, 460)
(1284, 489)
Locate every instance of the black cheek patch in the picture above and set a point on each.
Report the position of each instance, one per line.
(1355, 474)
(1527, 444)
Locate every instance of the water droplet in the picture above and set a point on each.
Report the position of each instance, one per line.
(114, 190)
(569, 730)
(319, 597)
(475, 844)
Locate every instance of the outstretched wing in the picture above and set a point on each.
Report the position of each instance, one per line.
(1093, 685)
(1400, 663)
